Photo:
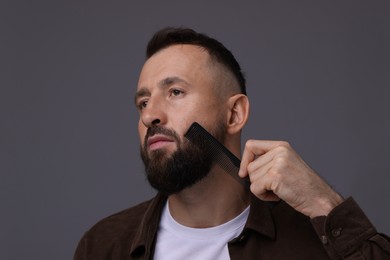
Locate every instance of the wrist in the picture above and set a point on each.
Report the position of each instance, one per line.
(326, 204)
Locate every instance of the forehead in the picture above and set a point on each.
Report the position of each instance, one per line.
(189, 62)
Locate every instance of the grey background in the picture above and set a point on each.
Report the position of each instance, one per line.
(318, 77)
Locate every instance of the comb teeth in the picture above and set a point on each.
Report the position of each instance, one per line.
(219, 153)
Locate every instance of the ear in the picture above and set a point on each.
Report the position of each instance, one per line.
(238, 112)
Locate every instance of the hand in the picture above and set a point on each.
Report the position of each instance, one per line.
(276, 172)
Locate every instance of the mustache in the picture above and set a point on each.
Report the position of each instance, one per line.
(161, 130)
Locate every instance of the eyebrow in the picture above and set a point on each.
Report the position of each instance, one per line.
(142, 92)
(168, 81)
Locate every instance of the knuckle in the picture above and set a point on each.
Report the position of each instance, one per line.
(284, 144)
(275, 186)
(280, 160)
(253, 188)
(274, 173)
(250, 143)
(250, 168)
(283, 150)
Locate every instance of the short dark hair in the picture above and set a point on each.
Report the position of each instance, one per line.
(171, 36)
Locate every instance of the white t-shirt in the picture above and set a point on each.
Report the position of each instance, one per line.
(178, 242)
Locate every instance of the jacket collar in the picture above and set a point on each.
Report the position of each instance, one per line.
(145, 236)
(260, 217)
(259, 220)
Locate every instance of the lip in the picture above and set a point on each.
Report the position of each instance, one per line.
(158, 141)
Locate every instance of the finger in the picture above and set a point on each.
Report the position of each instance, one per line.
(263, 184)
(262, 146)
(261, 161)
(257, 173)
(247, 157)
(259, 184)
(268, 196)
(253, 149)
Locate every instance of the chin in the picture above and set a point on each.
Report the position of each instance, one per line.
(161, 153)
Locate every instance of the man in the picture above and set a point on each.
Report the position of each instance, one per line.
(201, 212)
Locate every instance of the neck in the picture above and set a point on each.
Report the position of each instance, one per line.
(213, 201)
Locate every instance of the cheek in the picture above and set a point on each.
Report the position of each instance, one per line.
(141, 131)
(202, 113)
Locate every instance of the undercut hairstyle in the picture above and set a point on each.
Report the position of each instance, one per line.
(172, 36)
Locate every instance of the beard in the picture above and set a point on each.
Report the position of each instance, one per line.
(185, 167)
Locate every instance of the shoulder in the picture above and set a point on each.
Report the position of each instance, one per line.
(112, 234)
(126, 220)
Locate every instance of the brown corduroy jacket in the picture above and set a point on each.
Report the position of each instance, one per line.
(271, 232)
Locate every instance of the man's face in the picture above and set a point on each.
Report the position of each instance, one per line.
(175, 89)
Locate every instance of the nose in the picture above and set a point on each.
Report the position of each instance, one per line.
(153, 114)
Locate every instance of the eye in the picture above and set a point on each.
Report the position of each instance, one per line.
(175, 92)
(142, 104)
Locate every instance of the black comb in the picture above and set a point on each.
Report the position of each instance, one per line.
(219, 153)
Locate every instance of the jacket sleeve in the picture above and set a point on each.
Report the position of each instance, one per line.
(347, 233)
